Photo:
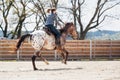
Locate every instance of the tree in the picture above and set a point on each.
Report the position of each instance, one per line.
(20, 9)
(54, 3)
(40, 10)
(97, 18)
(5, 9)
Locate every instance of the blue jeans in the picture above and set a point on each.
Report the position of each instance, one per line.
(54, 31)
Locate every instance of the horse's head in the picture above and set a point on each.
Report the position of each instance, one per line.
(71, 29)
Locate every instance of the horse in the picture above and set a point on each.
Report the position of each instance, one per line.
(39, 40)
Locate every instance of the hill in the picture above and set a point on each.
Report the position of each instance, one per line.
(104, 35)
(97, 35)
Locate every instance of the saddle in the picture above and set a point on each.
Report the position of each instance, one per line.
(48, 31)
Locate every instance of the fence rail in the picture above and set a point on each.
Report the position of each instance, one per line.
(77, 49)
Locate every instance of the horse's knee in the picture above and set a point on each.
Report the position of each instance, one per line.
(37, 53)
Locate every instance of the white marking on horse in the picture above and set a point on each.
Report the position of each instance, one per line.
(40, 39)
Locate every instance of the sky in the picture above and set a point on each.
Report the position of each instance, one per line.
(109, 24)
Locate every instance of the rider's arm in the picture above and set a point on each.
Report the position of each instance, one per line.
(57, 21)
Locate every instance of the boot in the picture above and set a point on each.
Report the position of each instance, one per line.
(58, 41)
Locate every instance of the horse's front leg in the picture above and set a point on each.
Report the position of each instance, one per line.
(64, 60)
(60, 51)
(66, 56)
(63, 56)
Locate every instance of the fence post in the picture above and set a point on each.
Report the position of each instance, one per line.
(94, 53)
(55, 55)
(0, 48)
(18, 55)
(90, 49)
(110, 56)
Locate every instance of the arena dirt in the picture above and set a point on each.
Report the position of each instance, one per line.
(74, 70)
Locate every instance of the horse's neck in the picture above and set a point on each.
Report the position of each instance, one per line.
(63, 39)
(63, 31)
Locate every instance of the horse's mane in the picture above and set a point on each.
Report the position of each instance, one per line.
(67, 25)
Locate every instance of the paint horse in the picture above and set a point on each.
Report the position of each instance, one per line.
(41, 40)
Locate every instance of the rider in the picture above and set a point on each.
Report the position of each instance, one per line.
(50, 21)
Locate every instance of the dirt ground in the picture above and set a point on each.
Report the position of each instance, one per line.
(74, 70)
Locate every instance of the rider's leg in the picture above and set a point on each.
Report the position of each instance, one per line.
(58, 41)
(57, 35)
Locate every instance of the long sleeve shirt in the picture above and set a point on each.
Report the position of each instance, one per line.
(51, 19)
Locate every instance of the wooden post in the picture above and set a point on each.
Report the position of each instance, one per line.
(110, 55)
(55, 57)
(90, 49)
(18, 55)
(94, 53)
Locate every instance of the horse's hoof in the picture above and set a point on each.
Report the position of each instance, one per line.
(64, 62)
(47, 63)
(35, 69)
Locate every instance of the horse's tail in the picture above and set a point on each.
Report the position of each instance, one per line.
(21, 40)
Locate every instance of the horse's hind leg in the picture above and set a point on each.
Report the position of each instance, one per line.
(33, 62)
(33, 59)
(44, 59)
(38, 54)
